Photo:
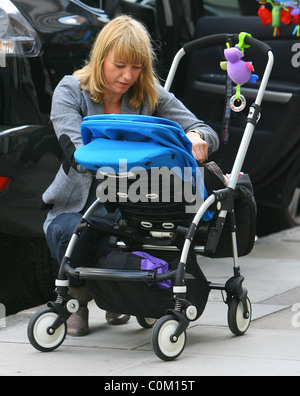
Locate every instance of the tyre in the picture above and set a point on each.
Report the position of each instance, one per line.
(162, 332)
(146, 323)
(37, 332)
(237, 323)
(271, 220)
(37, 269)
(27, 271)
(294, 208)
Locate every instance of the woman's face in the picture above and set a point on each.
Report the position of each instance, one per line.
(119, 74)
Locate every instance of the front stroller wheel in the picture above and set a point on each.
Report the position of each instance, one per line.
(163, 345)
(237, 321)
(38, 331)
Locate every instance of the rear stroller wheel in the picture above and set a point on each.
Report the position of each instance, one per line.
(146, 323)
(38, 331)
(162, 343)
(238, 324)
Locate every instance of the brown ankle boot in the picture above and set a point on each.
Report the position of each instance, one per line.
(78, 323)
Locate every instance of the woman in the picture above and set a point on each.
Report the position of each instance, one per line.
(117, 78)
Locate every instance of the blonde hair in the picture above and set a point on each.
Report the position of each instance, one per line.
(130, 40)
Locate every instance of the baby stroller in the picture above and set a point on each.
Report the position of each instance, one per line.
(152, 272)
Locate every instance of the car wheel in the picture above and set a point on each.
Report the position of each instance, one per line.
(28, 272)
(38, 269)
(294, 208)
(271, 220)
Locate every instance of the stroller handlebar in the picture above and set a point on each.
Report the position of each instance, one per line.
(222, 38)
(209, 41)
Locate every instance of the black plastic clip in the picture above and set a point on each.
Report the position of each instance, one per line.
(254, 114)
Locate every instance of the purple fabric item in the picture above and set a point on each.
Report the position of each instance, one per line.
(154, 263)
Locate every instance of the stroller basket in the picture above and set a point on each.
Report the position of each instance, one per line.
(123, 152)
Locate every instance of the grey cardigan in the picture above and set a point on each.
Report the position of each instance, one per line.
(70, 188)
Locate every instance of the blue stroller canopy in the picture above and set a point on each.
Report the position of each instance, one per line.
(121, 143)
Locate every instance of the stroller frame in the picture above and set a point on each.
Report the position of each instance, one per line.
(47, 328)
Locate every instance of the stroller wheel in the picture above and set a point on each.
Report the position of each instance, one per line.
(38, 331)
(238, 324)
(162, 343)
(146, 323)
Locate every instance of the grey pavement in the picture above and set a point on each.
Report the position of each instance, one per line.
(271, 347)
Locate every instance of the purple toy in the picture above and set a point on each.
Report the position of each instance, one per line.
(239, 71)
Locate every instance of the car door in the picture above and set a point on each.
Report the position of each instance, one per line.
(273, 159)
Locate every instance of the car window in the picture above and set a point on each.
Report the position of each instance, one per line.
(221, 7)
(211, 7)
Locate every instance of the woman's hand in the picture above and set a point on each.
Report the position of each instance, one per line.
(199, 147)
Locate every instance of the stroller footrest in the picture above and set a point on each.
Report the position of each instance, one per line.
(116, 275)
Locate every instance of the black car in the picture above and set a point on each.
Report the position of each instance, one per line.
(41, 41)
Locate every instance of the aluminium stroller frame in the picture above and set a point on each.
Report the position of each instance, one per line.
(47, 328)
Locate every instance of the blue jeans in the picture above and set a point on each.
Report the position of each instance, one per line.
(91, 246)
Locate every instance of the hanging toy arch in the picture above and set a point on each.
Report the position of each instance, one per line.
(239, 71)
